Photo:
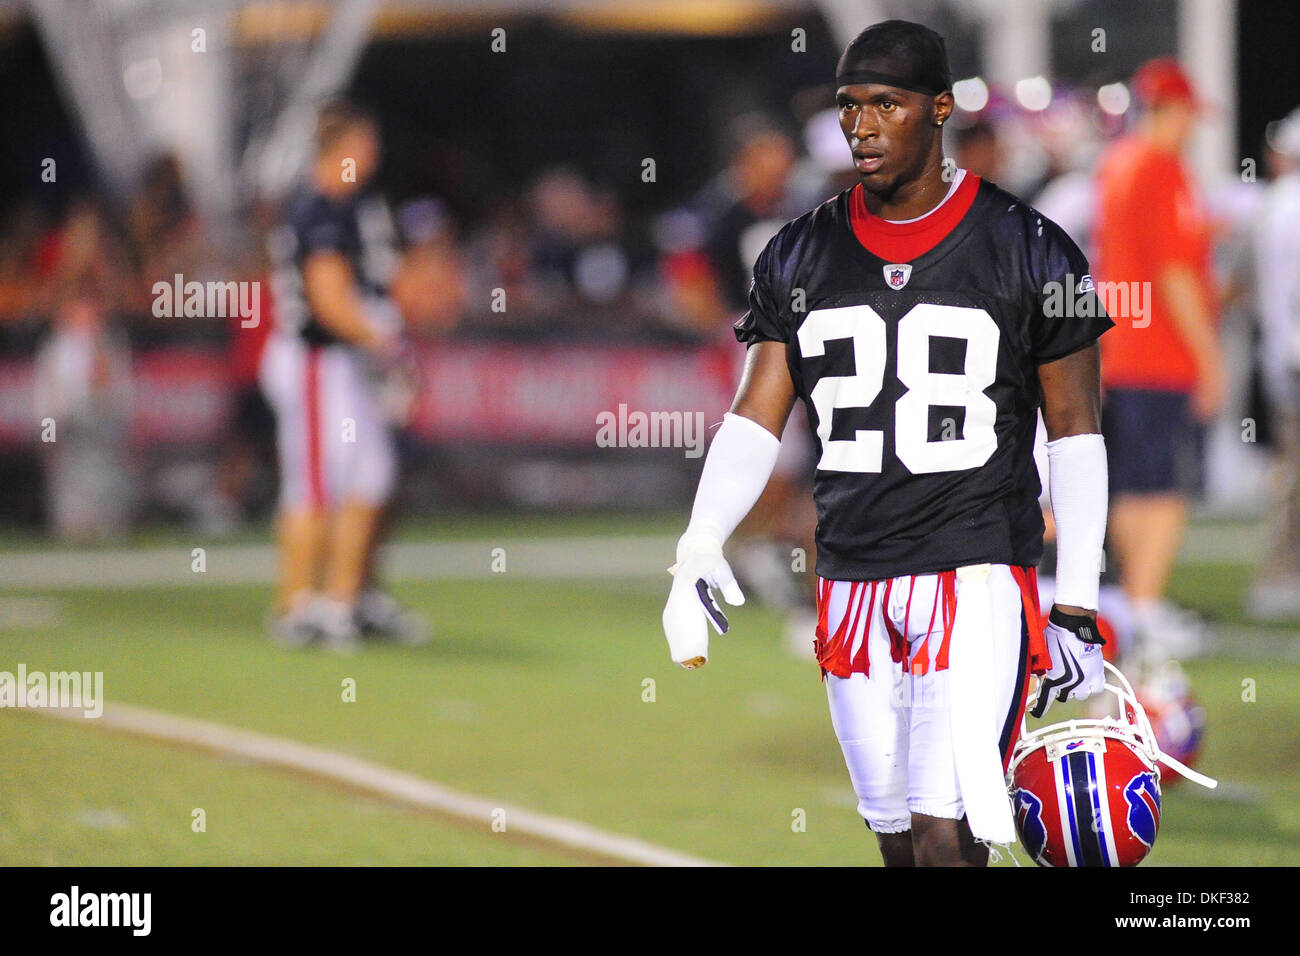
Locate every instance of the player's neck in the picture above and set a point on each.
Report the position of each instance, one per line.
(1163, 132)
(913, 199)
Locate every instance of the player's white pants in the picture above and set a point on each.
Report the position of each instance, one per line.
(895, 728)
(334, 442)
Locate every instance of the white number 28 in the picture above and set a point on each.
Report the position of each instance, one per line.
(865, 451)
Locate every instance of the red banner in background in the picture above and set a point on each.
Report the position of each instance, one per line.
(19, 423)
(179, 396)
(552, 395)
(499, 393)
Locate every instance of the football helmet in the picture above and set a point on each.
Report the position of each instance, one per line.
(1175, 715)
(1086, 792)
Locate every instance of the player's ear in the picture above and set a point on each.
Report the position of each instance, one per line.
(942, 107)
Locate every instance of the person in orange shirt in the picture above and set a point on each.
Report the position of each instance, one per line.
(1162, 370)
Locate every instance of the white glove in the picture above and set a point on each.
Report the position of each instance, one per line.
(740, 459)
(700, 566)
(1078, 670)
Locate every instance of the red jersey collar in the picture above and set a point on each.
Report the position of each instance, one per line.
(905, 241)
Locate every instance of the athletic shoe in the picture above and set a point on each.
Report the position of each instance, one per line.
(336, 623)
(296, 627)
(379, 614)
(763, 570)
(1275, 601)
(1167, 632)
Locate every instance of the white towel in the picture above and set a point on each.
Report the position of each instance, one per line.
(973, 712)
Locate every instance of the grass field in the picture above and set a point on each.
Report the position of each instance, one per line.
(535, 694)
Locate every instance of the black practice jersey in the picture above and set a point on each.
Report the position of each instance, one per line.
(359, 227)
(920, 378)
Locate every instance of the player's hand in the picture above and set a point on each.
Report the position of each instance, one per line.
(385, 348)
(399, 384)
(386, 340)
(1077, 670)
(692, 607)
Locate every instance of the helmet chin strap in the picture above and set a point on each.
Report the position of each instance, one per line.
(1124, 692)
(1173, 764)
(995, 851)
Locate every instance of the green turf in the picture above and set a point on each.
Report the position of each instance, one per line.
(533, 694)
(1217, 591)
(74, 797)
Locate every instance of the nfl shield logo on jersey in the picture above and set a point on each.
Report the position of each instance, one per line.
(897, 274)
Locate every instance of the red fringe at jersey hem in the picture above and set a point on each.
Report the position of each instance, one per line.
(835, 651)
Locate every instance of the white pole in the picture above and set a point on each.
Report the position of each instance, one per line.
(1207, 50)
(848, 18)
(1017, 41)
(336, 55)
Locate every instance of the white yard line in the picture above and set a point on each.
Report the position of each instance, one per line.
(122, 568)
(394, 784)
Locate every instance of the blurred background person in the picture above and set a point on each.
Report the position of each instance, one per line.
(1275, 593)
(245, 478)
(711, 243)
(82, 397)
(334, 257)
(1162, 370)
(430, 287)
(745, 206)
(20, 237)
(977, 148)
(165, 231)
(1072, 141)
(762, 188)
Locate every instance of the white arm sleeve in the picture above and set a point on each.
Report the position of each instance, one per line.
(1077, 473)
(736, 469)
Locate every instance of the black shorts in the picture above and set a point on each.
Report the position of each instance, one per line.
(1153, 444)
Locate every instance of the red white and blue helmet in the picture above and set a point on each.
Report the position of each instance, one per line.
(1086, 792)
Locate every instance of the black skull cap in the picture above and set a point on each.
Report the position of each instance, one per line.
(896, 53)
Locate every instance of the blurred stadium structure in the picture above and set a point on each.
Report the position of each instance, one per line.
(174, 127)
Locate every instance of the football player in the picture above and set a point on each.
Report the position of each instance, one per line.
(336, 329)
(923, 316)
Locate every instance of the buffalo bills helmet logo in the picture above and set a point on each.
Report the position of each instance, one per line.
(1143, 796)
(897, 274)
(1029, 821)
